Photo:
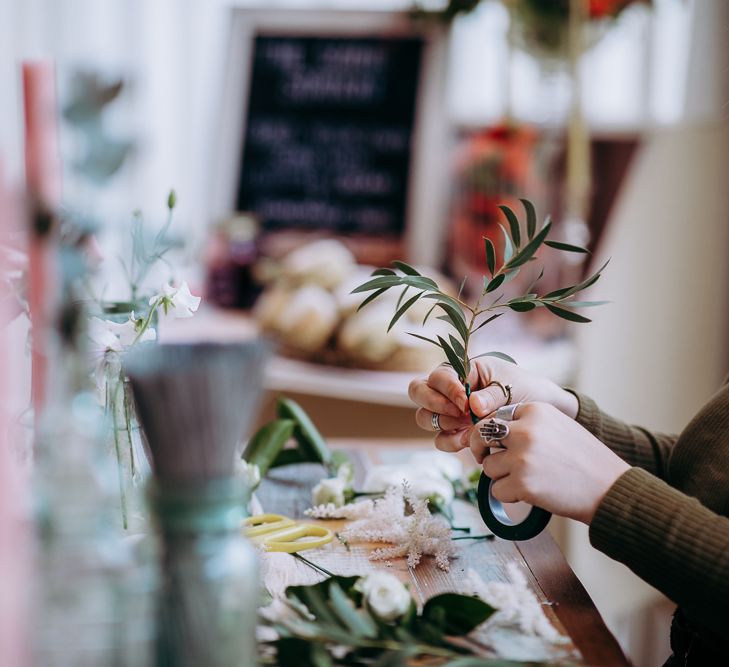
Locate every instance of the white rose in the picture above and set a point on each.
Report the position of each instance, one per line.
(331, 490)
(385, 595)
(177, 300)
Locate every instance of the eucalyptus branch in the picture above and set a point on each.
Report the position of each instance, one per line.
(519, 247)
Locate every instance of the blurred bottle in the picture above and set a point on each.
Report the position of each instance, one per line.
(230, 258)
(94, 590)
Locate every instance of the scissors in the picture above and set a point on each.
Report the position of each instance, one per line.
(279, 533)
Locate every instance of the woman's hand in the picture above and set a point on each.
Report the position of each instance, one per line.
(550, 461)
(442, 393)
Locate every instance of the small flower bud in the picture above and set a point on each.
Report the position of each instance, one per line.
(171, 200)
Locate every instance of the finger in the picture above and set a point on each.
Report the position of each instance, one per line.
(487, 400)
(445, 381)
(504, 489)
(497, 465)
(452, 441)
(480, 448)
(424, 419)
(430, 399)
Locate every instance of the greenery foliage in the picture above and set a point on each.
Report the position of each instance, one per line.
(520, 245)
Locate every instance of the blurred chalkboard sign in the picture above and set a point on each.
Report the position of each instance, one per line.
(334, 121)
(329, 133)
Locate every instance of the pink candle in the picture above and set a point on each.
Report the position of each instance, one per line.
(13, 528)
(43, 180)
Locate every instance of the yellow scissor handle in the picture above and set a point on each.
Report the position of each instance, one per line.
(263, 524)
(287, 540)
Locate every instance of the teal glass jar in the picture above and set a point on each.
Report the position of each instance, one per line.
(208, 600)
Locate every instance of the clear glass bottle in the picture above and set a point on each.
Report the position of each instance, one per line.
(208, 601)
(94, 589)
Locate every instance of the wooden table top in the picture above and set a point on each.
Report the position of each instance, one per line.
(567, 604)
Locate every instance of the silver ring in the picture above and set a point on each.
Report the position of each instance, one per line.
(507, 412)
(493, 430)
(435, 422)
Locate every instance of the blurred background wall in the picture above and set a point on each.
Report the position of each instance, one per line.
(652, 357)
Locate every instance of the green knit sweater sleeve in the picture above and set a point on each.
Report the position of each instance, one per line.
(671, 541)
(635, 445)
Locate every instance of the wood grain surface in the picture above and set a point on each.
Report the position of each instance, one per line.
(567, 605)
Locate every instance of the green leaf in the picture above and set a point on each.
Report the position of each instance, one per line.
(462, 285)
(498, 355)
(495, 283)
(486, 321)
(461, 352)
(288, 457)
(427, 340)
(531, 218)
(513, 225)
(569, 291)
(405, 268)
(534, 282)
(421, 282)
(401, 297)
(456, 615)
(358, 621)
(403, 309)
(522, 306)
(508, 245)
(510, 275)
(490, 255)
(427, 315)
(371, 298)
(383, 272)
(456, 318)
(567, 247)
(566, 314)
(584, 304)
(530, 248)
(453, 358)
(306, 434)
(267, 443)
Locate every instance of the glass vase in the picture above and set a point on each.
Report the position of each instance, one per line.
(94, 589)
(125, 438)
(207, 606)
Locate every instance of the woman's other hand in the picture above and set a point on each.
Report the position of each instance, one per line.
(550, 461)
(442, 393)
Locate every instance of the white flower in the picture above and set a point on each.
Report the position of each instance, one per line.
(411, 535)
(345, 472)
(515, 603)
(331, 490)
(109, 339)
(249, 473)
(179, 299)
(385, 595)
(335, 490)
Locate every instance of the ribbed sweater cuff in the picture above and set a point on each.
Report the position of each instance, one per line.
(636, 503)
(632, 444)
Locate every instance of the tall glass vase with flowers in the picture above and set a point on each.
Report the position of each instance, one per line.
(118, 327)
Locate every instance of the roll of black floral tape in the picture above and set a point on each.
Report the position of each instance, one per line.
(500, 523)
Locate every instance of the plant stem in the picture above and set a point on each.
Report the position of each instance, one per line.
(473, 537)
(112, 404)
(313, 565)
(148, 320)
